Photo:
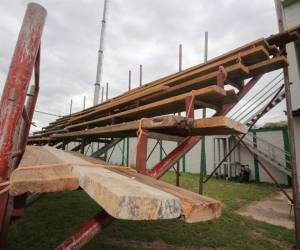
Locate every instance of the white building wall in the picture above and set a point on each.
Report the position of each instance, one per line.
(194, 156)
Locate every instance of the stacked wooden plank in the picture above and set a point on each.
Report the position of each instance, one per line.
(166, 95)
(121, 191)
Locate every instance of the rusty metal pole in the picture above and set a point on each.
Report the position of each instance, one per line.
(71, 106)
(203, 154)
(179, 69)
(141, 75)
(291, 131)
(128, 143)
(14, 92)
(84, 102)
(106, 94)
(102, 94)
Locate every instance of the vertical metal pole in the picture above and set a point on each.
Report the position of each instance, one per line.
(127, 145)
(203, 155)
(13, 98)
(291, 129)
(179, 69)
(106, 91)
(71, 105)
(84, 102)
(100, 55)
(180, 58)
(102, 94)
(141, 75)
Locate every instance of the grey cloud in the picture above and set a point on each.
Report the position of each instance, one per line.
(138, 32)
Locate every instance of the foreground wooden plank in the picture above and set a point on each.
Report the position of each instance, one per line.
(42, 179)
(125, 198)
(120, 196)
(194, 207)
(121, 191)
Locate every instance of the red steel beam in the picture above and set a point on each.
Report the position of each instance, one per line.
(86, 232)
(14, 95)
(165, 164)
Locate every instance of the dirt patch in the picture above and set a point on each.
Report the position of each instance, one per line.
(273, 210)
(155, 245)
(258, 235)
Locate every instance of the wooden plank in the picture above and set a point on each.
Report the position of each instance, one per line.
(268, 66)
(165, 137)
(252, 53)
(249, 56)
(129, 128)
(194, 207)
(43, 179)
(285, 37)
(121, 191)
(125, 198)
(235, 72)
(120, 196)
(218, 125)
(213, 95)
(173, 125)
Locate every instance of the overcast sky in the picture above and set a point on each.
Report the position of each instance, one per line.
(144, 32)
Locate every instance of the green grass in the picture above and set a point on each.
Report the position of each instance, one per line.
(50, 220)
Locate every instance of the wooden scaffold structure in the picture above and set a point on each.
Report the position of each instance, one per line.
(144, 113)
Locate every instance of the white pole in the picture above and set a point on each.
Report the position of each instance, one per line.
(106, 91)
(102, 94)
(100, 56)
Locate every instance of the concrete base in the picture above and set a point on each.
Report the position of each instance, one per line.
(273, 210)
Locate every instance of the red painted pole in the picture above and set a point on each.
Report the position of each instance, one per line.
(14, 95)
(18, 78)
(86, 232)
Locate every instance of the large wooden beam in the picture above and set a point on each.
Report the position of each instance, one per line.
(122, 192)
(172, 125)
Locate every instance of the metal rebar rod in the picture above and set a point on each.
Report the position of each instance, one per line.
(141, 75)
(203, 158)
(71, 104)
(291, 131)
(106, 95)
(102, 94)
(152, 150)
(127, 141)
(180, 69)
(83, 102)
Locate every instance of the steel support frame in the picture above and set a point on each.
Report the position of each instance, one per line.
(83, 235)
(188, 143)
(13, 130)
